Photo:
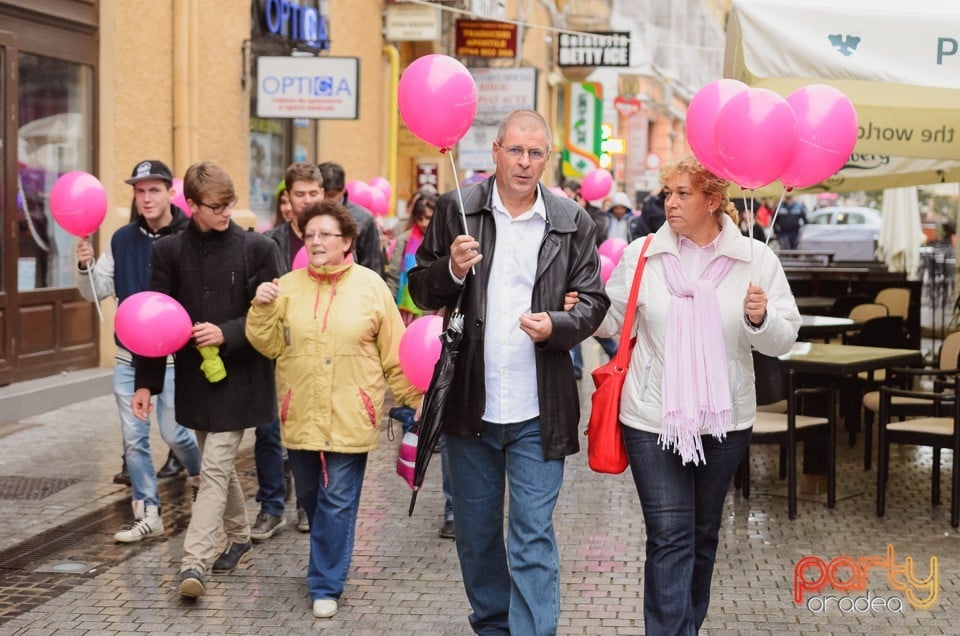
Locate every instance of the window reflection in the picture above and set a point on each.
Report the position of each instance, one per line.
(55, 136)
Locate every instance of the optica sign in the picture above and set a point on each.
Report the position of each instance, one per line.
(296, 22)
(308, 87)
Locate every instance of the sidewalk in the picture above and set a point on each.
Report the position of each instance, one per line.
(405, 579)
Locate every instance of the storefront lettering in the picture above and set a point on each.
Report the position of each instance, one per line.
(302, 24)
(317, 86)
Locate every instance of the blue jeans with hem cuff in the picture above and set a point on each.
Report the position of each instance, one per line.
(512, 588)
(332, 510)
(136, 434)
(682, 511)
(268, 457)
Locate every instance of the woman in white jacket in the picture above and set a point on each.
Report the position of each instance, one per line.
(708, 295)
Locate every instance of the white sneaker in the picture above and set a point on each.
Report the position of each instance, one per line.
(149, 524)
(324, 607)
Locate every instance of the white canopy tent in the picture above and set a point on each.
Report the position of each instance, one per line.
(897, 60)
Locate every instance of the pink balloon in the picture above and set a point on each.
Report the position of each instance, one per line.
(360, 193)
(420, 350)
(381, 184)
(606, 268)
(178, 199)
(152, 324)
(438, 99)
(613, 249)
(596, 185)
(755, 137)
(78, 203)
(826, 134)
(379, 203)
(300, 259)
(702, 119)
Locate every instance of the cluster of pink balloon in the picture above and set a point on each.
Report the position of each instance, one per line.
(420, 350)
(437, 98)
(78, 203)
(610, 252)
(373, 195)
(152, 324)
(752, 136)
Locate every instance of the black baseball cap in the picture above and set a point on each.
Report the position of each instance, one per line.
(150, 169)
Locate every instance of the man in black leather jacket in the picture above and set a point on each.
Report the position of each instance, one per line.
(513, 410)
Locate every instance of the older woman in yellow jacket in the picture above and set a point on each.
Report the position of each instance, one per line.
(334, 330)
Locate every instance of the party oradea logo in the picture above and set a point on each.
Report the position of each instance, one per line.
(860, 584)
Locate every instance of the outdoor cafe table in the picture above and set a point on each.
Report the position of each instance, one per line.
(825, 327)
(813, 304)
(846, 361)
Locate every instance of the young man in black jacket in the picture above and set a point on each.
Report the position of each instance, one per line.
(224, 385)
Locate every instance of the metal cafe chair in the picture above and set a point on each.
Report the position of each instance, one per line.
(774, 384)
(939, 431)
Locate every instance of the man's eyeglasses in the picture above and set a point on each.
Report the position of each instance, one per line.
(515, 152)
(323, 236)
(218, 209)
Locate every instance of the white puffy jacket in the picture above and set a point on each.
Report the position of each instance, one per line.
(640, 405)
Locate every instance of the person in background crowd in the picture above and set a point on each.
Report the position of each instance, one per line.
(792, 216)
(689, 402)
(572, 189)
(367, 249)
(334, 332)
(124, 270)
(284, 210)
(304, 187)
(224, 386)
(512, 414)
(744, 225)
(619, 214)
(651, 217)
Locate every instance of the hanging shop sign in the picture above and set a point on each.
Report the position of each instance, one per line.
(594, 48)
(502, 90)
(303, 24)
(412, 23)
(309, 87)
(486, 38)
(583, 109)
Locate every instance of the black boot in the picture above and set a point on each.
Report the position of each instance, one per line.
(172, 468)
(123, 477)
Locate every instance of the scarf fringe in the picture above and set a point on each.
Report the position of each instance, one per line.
(682, 433)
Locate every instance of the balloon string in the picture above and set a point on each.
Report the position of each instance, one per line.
(776, 212)
(750, 222)
(93, 285)
(463, 214)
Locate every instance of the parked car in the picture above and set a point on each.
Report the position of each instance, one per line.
(849, 232)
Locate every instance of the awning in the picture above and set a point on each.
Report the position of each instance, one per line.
(898, 62)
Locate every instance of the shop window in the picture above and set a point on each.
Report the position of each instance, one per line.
(55, 136)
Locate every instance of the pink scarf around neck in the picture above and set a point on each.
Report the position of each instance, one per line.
(696, 388)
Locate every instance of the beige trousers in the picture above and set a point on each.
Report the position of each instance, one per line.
(219, 501)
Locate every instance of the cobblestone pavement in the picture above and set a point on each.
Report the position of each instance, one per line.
(60, 572)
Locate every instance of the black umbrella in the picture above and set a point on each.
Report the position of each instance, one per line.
(434, 402)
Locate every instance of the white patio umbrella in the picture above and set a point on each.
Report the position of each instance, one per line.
(900, 234)
(898, 62)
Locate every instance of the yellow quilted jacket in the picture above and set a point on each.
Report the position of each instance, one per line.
(335, 334)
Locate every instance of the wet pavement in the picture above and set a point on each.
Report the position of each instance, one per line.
(61, 572)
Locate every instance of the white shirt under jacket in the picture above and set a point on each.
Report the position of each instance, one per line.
(508, 353)
(640, 405)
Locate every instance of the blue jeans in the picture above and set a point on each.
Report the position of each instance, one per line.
(136, 434)
(682, 510)
(268, 457)
(609, 346)
(513, 589)
(447, 488)
(332, 510)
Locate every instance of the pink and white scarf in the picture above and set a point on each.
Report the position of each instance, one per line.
(696, 388)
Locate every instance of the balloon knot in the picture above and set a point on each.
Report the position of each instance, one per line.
(444, 150)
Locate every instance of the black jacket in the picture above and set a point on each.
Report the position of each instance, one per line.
(215, 275)
(568, 261)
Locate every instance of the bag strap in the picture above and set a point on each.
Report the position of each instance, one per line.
(622, 357)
